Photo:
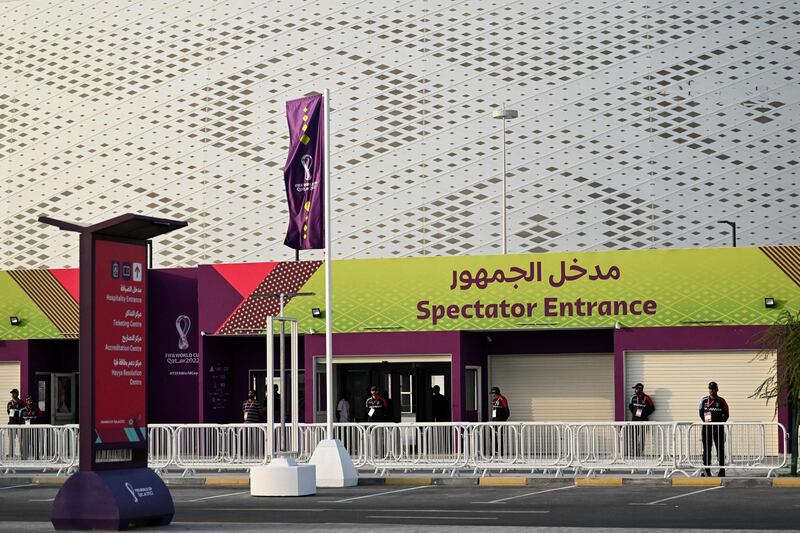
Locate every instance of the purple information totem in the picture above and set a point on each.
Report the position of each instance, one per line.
(114, 489)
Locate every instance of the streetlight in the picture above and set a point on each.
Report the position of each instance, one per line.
(504, 114)
(733, 229)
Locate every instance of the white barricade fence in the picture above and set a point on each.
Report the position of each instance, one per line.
(201, 446)
(495, 444)
(627, 445)
(748, 446)
(448, 446)
(534, 446)
(32, 447)
(160, 446)
(429, 446)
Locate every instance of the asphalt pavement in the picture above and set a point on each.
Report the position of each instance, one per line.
(448, 508)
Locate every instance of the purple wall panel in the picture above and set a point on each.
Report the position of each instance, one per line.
(174, 337)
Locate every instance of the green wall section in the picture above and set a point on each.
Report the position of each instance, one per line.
(725, 286)
(14, 302)
(682, 287)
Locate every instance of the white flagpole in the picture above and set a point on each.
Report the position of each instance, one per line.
(328, 253)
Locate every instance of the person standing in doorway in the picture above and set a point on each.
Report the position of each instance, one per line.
(713, 408)
(343, 408)
(31, 414)
(439, 406)
(641, 407)
(377, 406)
(252, 408)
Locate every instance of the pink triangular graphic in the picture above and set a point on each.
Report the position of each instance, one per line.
(245, 277)
(70, 279)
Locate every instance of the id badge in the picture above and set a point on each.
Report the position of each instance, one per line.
(639, 413)
(494, 413)
(371, 411)
(28, 422)
(11, 413)
(707, 414)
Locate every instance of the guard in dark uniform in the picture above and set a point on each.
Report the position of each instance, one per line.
(641, 407)
(713, 408)
(377, 406)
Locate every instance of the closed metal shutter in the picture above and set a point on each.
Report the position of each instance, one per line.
(9, 379)
(677, 381)
(556, 388)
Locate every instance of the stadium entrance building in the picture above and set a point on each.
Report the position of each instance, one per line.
(565, 336)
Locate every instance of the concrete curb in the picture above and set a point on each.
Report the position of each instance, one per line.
(598, 481)
(697, 482)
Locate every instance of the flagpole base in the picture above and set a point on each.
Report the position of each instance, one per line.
(334, 466)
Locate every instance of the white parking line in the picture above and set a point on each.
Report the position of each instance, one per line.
(682, 495)
(381, 494)
(406, 517)
(352, 510)
(43, 500)
(217, 496)
(18, 486)
(503, 500)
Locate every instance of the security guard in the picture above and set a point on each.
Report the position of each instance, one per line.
(14, 408)
(713, 408)
(377, 406)
(641, 407)
(500, 410)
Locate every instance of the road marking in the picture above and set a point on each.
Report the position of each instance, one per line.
(382, 494)
(351, 510)
(406, 517)
(502, 500)
(684, 495)
(217, 496)
(43, 500)
(18, 486)
(273, 509)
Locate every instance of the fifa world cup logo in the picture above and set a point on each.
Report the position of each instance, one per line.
(307, 161)
(182, 324)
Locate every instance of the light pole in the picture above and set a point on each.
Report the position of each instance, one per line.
(733, 229)
(504, 114)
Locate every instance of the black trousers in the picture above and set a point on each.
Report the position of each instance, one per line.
(715, 434)
(635, 440)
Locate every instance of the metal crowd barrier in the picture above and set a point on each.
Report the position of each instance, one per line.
(624, 445)
(587, 448)
(429, 446)
(533, 446)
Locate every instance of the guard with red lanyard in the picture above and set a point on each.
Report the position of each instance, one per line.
(713, 408)
(500, 410)
(377, 406)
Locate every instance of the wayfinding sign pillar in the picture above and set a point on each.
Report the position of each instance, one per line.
(114, 489)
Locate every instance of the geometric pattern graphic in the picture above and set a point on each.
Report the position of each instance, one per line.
(51, 297)
(787, 258)
(34, 323)
(641, 124)
(245, 277)
(287, 278)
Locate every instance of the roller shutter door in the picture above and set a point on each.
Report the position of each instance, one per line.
(550, 388)
(9, 379)
(677, 381)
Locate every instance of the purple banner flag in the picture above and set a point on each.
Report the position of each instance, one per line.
(304, 172)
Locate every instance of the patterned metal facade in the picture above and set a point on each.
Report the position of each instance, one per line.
(641, 123)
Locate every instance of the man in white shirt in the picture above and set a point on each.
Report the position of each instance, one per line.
(343, 408)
